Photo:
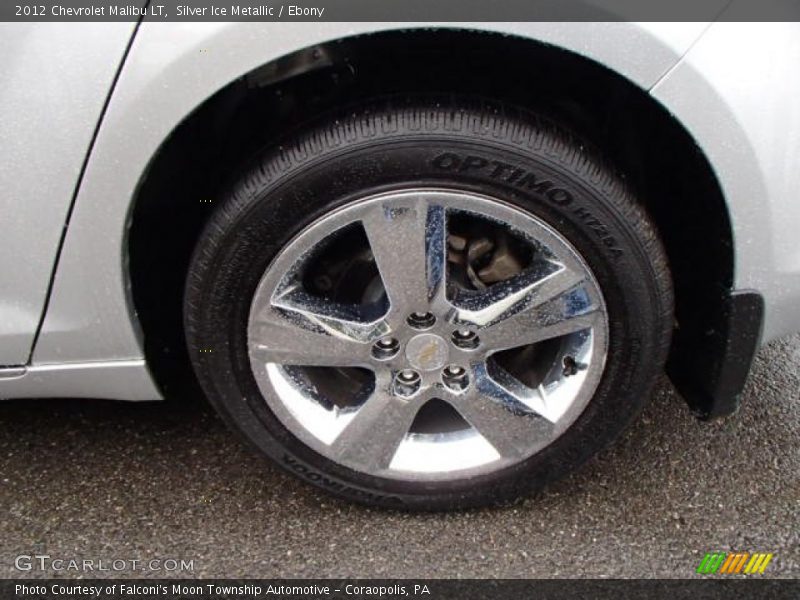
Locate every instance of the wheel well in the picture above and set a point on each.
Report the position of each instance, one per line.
(651, 150)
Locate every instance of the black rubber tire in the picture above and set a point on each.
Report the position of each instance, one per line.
(459, 144)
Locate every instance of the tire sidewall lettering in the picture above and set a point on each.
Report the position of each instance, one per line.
(526, 178)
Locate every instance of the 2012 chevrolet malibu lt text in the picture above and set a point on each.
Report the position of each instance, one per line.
(429, 266)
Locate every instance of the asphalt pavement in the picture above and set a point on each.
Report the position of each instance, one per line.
(99, 480)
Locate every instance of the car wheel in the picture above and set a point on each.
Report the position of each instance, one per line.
(429, 304)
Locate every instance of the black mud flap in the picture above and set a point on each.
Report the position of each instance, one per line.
(710, 366)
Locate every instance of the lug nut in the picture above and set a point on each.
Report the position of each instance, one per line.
(407, 382)
(455, 377)
(408, 375)
(421, 320)
(385, 348)
(466, 339)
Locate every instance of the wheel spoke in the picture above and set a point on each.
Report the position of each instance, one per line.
(371, 439)
(298, 329)
(501, 383)
(540, 283)
(408, 242)
(504, 414)
(555, 306)
(535, 326)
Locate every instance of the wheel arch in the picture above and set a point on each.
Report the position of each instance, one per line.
(647, 145)
(155, 160)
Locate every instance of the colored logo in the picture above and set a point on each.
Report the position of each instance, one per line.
(732, 563)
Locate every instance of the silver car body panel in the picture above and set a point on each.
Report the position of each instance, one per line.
(171, 68)
(55, 80)
(737, 93)
(117, 379)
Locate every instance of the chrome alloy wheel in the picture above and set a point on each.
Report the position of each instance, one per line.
(427, 334)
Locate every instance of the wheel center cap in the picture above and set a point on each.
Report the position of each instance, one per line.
(426, 352)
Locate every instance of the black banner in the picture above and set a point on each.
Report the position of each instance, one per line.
(400, 10)
(338, 589)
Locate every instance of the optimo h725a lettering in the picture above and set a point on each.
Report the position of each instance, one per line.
(425, 266)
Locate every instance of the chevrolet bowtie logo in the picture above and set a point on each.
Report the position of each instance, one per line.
(428, 353)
